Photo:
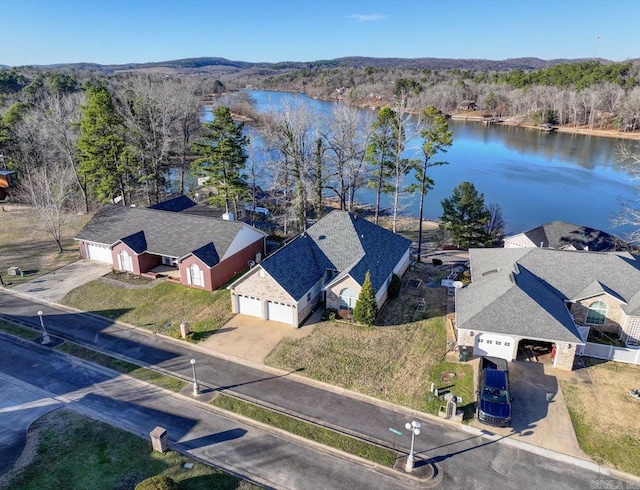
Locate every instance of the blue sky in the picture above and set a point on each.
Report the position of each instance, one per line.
(122, 31)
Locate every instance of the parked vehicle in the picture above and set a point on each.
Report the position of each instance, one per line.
(494, 398)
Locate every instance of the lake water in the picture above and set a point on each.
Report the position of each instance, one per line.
(535, 177)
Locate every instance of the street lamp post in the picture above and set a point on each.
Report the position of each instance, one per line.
(196, 388)
(45, 335)
(414, 427)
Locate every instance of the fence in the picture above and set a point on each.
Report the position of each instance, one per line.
(611, 353)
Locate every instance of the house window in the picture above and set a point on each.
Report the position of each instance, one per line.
(597, 313)
(308, 296)
(126, 264)
(348, 298)
(195, 275)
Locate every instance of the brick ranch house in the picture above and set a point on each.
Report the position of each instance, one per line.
(326, 264)
(199, 251)
(547, 298)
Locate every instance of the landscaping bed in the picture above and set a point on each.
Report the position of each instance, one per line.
(604, 414)
(160, 309)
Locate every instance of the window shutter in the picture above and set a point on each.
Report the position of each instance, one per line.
(201, 278)
(188, 271)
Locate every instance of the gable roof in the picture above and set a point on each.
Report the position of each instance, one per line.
(176, 205)
(561, 235)
(532, 285)
(162, 233)
(511, 304)
(339, 241)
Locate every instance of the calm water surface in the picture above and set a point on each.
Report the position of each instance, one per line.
(534, 177)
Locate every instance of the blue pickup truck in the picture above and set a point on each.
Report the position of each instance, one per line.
(494, 398)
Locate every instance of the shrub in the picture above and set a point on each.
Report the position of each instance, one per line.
(329, 314)
(394, 286)
(158, 482)
(366, 309)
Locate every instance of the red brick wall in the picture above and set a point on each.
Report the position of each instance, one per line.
(184, 272)
(148, 261)
(134, 258)
(237, 263)
(83, 250)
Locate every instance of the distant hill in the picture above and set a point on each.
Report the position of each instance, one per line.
(207, 64)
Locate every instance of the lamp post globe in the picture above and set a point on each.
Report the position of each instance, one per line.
(196, 388)
(414, 428)
(45, 335)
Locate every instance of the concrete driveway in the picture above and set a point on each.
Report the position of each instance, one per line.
(54, 286)
(540, 414)
(253, 339)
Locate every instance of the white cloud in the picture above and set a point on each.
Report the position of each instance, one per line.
(366, 18)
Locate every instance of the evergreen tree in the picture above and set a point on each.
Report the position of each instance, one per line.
(223, 157)
(381, 152)
(465, 216)
(366, 309)
(437, 137)
(102, 146)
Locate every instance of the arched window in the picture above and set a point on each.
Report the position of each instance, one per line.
(126, 263)
(348, 298)
(195, 275)
(597, 313)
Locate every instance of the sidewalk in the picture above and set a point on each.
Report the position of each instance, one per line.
(332, 407)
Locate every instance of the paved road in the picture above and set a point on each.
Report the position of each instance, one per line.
(48, 378)
(468, 460)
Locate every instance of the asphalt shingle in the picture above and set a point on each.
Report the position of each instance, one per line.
(166, 233)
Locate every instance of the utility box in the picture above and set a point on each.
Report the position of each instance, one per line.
(160, 439)
(14, 271)
(184, 329)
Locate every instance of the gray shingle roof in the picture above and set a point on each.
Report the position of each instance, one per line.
(176, 204)
(339, 241)
(511, 304)
(561, 235)
(544, 279)
(166, 233)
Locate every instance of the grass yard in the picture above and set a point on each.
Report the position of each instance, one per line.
(148, 375)
(24, 244)
(307, 430)
(19, 331)
(65, 450)
(397, 362)
(604, 415)
(159, 309)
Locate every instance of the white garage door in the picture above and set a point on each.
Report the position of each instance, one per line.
(489, 344)
(101, 253)
(249, 306)
(278, 312)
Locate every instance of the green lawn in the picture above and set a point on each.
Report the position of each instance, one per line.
(162, 380)
(80, 453)
(159, 309)
(602, 413)
(307, 430)
(394, 363)
(19, 331)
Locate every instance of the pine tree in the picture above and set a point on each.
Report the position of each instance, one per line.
(102, 146)
(465, 216)
(223, 157)
(366, 309)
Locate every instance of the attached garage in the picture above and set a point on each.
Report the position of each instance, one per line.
(490, 344)
(280, 312)
(249, 306)
(100, 253)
